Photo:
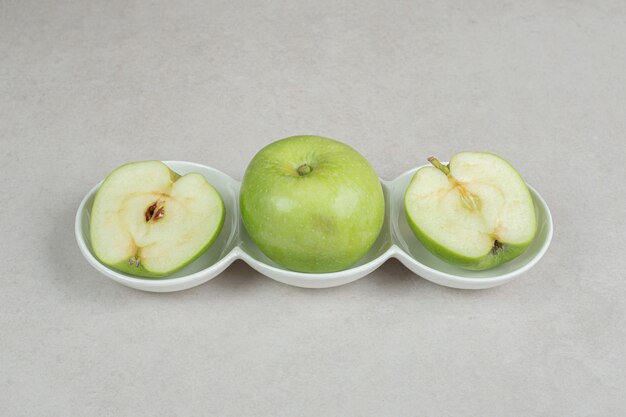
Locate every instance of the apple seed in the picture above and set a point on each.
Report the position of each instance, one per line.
(154, 212)
(150, 212)
(159, 213)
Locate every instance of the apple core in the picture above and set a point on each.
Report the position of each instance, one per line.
(155, 211)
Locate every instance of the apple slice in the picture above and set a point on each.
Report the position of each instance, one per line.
(147, 220)
(475, 212)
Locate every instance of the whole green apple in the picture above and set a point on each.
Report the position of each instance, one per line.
(475, 212)
(312, 204)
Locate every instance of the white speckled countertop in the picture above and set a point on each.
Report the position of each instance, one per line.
(87, 86)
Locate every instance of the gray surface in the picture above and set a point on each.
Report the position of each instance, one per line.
(86, 86)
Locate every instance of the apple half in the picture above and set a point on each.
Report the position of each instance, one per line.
(149, 221)
(475, 212)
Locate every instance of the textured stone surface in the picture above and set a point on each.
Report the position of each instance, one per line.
(86, 86)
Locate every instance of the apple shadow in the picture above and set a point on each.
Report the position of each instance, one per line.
(393, 274)
(239, 276)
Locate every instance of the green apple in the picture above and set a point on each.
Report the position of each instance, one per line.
(149, 221)
(312, 204)
(475, 212)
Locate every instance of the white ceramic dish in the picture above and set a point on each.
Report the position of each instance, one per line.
(396, 240)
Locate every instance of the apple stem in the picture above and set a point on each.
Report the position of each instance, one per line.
(304, 169)
(441, 167)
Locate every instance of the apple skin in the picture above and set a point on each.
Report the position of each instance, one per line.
(322, 221)
(140, 270)
(488, 261)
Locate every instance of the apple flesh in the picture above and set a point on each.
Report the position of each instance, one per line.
(475, 212)
(312, 204)
(149, 221)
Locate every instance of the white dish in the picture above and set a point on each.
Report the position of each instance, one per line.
(396, 240)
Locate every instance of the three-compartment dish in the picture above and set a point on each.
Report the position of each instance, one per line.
(396, 240)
